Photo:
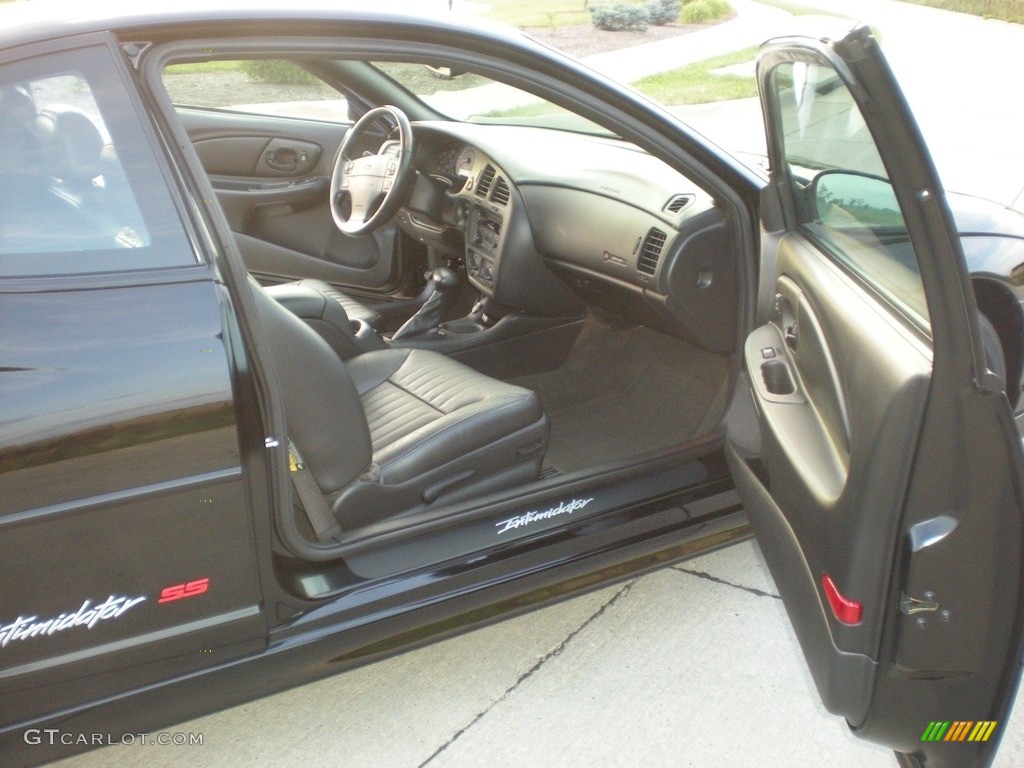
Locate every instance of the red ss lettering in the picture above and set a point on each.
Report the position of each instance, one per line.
(188, 589)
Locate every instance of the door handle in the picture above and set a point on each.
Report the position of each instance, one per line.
(284, 159)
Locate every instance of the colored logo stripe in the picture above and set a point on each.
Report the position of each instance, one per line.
(935, 731)
(959, 730)
(982, 730)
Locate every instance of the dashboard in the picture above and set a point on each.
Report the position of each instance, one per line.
(547, 217)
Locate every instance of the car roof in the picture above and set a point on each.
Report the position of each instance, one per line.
(31, 21)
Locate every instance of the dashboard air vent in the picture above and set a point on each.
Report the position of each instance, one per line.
(500, 194)
(650, 252)
(486, 179)
(678, 202)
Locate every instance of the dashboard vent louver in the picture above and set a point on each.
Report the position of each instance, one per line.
(486, 179)
(500, 193)
(650, 252)
(678, 202)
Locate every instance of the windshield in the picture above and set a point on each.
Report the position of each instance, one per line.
(468, 96)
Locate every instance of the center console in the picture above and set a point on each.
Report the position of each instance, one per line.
(483, 240)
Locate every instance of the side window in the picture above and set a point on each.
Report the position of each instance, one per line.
(257, 86)
(844, 200)
(80, 188)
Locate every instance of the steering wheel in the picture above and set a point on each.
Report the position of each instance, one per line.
(367, 191)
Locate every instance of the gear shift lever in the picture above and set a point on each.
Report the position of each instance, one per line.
(443, 283)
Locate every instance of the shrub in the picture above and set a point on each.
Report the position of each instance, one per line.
(619, 17)
(703, 11)
(277, 72)
(663, 11)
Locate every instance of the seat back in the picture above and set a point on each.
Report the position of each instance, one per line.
(22, 151)
(324, 414)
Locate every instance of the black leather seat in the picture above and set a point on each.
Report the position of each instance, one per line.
(353, 309)
(397, 430)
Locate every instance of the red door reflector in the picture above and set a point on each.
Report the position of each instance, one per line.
(843, 608)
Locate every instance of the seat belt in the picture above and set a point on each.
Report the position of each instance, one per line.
(325, 526)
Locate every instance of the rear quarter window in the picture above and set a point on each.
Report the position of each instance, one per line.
(81, 188)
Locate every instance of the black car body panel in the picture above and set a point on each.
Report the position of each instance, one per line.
(157, 562)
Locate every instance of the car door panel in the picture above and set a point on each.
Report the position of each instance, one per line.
(257, 156)
(883, 476)
(231, 155)
(238, 143)
(245, 200)
(843, 679)
(271, 176)
(832, 451)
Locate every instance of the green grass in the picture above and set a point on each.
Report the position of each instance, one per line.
(545, 13)
(1006, 10)
(204, 66)
(704, 11)
(529, 110)
(692, 84)
(695, 83)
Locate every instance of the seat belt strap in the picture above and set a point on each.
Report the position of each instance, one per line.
(325, 526)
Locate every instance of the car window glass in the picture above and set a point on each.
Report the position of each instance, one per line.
(460, 94)
(256, 86)
(80, 189)
(843, 197)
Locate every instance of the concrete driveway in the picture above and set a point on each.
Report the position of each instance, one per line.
(693, 665)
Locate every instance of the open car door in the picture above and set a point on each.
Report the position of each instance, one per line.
(884, 477)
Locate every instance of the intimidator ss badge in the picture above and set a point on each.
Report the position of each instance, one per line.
(88, 616)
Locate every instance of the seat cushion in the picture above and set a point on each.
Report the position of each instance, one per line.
(425, 410)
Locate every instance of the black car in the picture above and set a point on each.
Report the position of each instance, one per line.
(284, 393)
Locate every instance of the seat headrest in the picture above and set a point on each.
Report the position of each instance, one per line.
(21, 151)
(73, 142)
(17, 109)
